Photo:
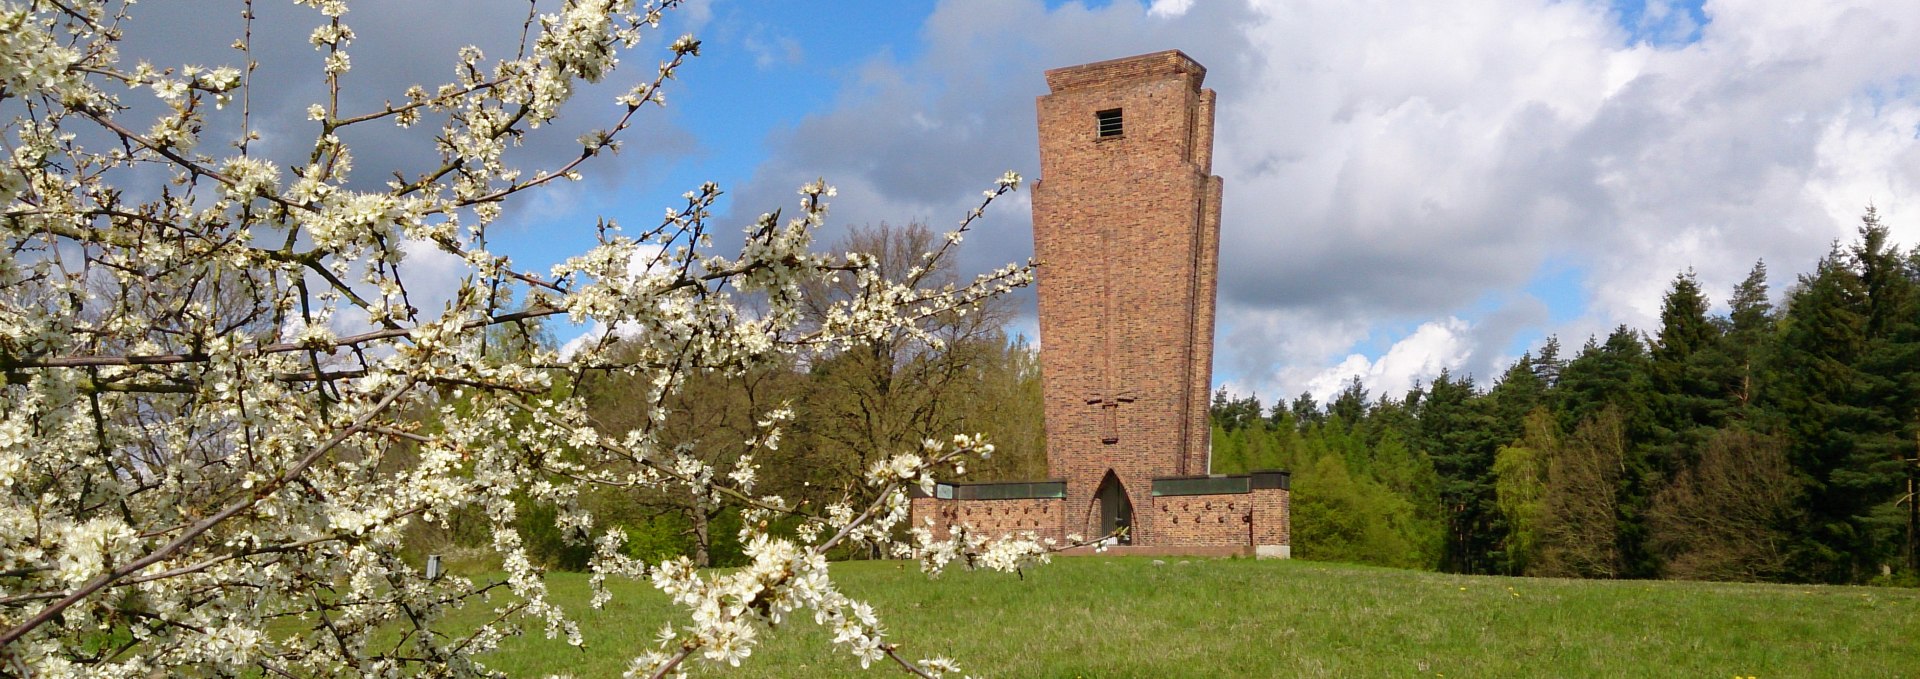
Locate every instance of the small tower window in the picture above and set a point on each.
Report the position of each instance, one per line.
(1109, 122)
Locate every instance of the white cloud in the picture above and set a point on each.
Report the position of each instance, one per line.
(1394, 165)
(1389, 166)
(1417, 359)
(1169, 8)
(771, 48)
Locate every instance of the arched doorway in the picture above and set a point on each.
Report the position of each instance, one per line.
(1116, 510)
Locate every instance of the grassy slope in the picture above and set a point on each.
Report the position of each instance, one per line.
(1124, 617)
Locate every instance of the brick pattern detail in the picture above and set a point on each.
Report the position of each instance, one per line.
(1272, 516)
(1204, 520)
(1227, 520)
(1126, 229)
(996, 518)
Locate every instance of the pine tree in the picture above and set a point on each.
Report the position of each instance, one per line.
(1686, 370)
(1306, 411)
(1457, 433)
(1889, 390)
(1614, 373)
(1350, 404)
(1519, 392)
(1822, 340)
(1749, 334)
(1548, 365)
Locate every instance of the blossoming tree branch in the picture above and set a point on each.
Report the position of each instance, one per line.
(222, 404)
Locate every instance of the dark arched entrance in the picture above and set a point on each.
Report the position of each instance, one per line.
(1116, 510)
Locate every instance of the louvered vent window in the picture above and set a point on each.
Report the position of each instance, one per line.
(1109, 122)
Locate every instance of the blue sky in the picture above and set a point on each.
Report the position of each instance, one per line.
(1410, 187)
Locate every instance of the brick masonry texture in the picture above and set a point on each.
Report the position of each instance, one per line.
(1127, 232)
(1227, 520)
(1040, 516)
(1204, 520)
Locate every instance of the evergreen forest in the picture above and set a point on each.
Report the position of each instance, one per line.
(1768, 443)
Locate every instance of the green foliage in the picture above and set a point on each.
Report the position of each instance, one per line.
(1520, 486)
(1751, 326)
(547, 544)
(1847, 395)
(1462, 438)
(1689, 368)
(1362, 495)
(1768, 443)
(1338, 517)
(659, 537)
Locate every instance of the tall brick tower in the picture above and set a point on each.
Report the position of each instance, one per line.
(1126, 225)
(1126, 222)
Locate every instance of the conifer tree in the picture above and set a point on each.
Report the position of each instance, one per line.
(1687, 361)
(1889, 390)
(1519, 392)
(1749, 334)
(1548, 364)
(1306, 411)
(1351, 403)
(1822, 340)
(1456, 432)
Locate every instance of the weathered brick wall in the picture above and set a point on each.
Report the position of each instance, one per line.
(920, 508)
(1206, 285)
(1041, 516)
(1272, 516)
(1126, 224)
(1204, 520)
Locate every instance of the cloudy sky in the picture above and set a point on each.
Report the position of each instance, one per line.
(1410, 186)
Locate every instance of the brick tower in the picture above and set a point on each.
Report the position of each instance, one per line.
(1126, 225)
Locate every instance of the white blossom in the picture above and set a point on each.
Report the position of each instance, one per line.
(222, 413)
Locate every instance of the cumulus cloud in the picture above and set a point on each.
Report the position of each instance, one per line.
(1416, 359)
(918, 139)
(397, 45)
(1169, 8)
(1414, 168)
(1399, 176)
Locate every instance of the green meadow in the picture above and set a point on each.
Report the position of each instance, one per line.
(1128, 617)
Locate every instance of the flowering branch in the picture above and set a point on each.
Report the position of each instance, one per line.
(187, 536)
(222, 411)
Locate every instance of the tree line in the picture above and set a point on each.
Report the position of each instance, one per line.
(1771, 443)
(1765, 443)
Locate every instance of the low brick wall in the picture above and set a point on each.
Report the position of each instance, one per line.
(1005, 517)
(1248, 511)
(1203, 520)
(996, 517)
(1196, 515)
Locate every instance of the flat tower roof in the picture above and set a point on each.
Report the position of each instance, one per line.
(1163, 64)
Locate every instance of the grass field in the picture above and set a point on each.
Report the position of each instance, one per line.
(1125, 617)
